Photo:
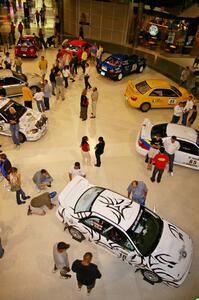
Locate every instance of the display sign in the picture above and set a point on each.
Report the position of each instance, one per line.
(153, 30)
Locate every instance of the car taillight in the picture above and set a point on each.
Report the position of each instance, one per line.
(134, 98)
(142, 145)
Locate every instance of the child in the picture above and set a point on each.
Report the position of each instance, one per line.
(193, 116)
(85, 150)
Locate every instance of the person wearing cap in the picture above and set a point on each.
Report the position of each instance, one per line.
(76, 170)
(61, 261)
(38, 204)
(188, 107)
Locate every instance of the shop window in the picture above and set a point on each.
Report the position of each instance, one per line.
(157, 93)
(188, 148)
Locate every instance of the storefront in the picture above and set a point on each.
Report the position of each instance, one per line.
(167, 33)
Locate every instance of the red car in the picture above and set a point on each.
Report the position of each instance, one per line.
(76, 47)
(27, 46)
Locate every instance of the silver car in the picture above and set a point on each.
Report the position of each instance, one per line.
(13, 82)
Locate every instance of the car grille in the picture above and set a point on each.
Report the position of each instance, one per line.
(41, 122)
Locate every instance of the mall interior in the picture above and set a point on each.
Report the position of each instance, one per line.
(166, 34)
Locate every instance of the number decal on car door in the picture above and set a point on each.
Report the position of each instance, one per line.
(134, 67)
(172, 101)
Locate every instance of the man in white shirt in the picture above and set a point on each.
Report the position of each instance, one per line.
(171, 145)
(178, 109)
(76, 170)
(188, 107)
(61, 261)
(39, 96)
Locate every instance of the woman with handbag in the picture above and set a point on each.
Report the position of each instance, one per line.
(15, 186)
(83, 105)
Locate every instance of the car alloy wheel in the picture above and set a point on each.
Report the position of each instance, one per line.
(150, 276)
(120, 76)
(145, 107)
(76, 234)
(141, 69)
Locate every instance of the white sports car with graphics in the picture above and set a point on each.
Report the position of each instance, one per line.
(159, 249)
(187, 155)
(32, 124)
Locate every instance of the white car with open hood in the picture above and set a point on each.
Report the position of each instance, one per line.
(159, 249)
(32, 124)
(187, 155)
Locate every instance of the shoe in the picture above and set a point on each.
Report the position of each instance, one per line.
(54, 270)
(92, 117)
(65, 276)
(83, 119)
(152, 180)
(29, 212)
(27, 197)
(171, 173)
(97, 166)
(22, 202)
(48, 185)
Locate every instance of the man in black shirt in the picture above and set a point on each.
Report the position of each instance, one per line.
(156, 143)
(86, 272)
(99, 150)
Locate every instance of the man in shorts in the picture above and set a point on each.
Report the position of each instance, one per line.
(37, 204)
(156, 143)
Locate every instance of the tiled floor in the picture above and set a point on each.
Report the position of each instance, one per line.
(25, 270)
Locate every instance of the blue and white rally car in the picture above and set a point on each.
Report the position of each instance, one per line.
(159, 249)
(117, 66)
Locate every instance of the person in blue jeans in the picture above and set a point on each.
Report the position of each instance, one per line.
(15, 184)
(14, 125)
(137, 191)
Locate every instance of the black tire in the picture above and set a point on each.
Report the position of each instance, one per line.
(150, 276)
(120, 76)
(34, 89)
(76, 234)
(22, 138)
(145, 106)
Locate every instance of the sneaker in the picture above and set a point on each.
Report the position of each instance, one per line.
(171, 173)
(152, 180)
(22, 202)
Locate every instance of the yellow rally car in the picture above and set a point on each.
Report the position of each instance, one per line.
(155, 93)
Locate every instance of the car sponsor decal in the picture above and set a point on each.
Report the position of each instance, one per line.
(146, 143)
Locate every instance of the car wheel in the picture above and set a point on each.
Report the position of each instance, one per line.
(76, 234)
(141, 69)
(34, 89)
(22, 138)
(145, 106)
(120, 76)
(151, 277)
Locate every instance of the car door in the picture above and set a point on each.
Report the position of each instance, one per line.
(126, 67)
(4, 126)
(156, 98)
(120, 245)
(171, 98)
(94, 226)
(188, 154)
(13, 86)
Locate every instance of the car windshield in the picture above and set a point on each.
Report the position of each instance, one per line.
(143, 87)
(20, 109)
(161, 129)
(113, 61)
(72, 48)
(146, 231)
(20, 76)
(86, 200)
(176, 90)
(25, 43)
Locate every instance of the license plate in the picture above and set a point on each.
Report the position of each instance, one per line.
(23, 54)
(102, 73)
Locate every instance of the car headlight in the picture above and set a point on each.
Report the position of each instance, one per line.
(32, 131)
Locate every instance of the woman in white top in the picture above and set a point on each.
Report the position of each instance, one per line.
(39, 96)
